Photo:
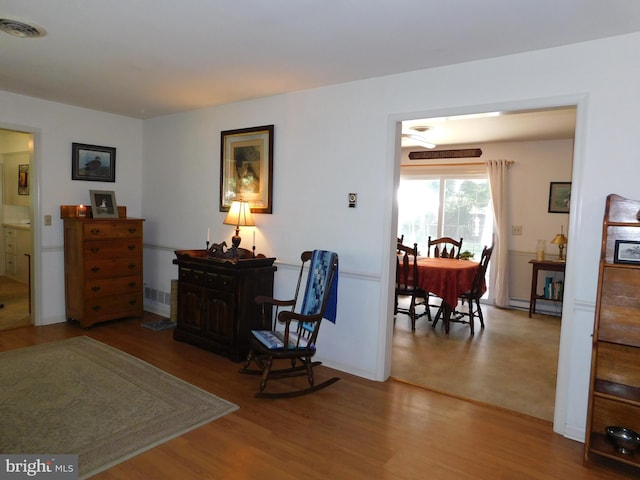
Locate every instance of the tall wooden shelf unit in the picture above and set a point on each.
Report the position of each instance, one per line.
(614, 392)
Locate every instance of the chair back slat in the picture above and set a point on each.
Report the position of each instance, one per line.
(444, 247)
(407, 268)
(479, 281)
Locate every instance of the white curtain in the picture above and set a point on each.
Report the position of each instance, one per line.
(498, 173)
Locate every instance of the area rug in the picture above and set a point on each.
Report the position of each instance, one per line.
(80, 396)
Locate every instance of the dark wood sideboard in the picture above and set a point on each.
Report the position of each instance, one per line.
(216, 300)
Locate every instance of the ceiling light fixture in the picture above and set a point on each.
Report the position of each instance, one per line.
(21, 29)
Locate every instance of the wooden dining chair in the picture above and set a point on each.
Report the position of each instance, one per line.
(473, 295)
(296, 340)
(444, 247)
(407, 283)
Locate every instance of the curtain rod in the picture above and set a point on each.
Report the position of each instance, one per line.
(461, 164)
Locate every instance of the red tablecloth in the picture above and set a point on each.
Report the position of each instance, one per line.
(446, 277)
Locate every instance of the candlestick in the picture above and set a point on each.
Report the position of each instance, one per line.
(208, 235)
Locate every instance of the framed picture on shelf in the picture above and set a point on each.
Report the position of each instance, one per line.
(92, 162)
(246, 168)
(103, 204)
(559, 197)
(627, 251)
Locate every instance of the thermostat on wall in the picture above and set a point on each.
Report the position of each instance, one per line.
(353, 199)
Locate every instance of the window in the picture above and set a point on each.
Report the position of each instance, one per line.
(451, 206)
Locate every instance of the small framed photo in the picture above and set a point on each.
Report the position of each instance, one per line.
(559, 197)
(92, 162)
(103, 204)
(627, 251)
(246, 168)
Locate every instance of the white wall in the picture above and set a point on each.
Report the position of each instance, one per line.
(340, 139)
(55, 127)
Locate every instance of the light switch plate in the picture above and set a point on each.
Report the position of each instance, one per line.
(47, 220)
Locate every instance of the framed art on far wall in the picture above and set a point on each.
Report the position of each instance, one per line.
(246, 168)
(23, 179)
(103, 204)
(559, 197)
(92, 162)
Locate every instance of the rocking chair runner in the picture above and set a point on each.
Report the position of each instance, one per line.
(297, 341)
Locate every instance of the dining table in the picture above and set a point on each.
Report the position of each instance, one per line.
(447, 278)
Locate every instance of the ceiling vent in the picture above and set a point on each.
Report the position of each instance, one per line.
(20, 29)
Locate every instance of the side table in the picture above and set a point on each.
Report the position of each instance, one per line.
(546, 265)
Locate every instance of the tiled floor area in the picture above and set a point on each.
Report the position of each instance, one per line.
(512, 363)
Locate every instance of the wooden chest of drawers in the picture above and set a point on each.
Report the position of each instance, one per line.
(103, 269)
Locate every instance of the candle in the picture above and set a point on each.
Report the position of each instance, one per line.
(81, 211)
(208, 234)
(254, 237)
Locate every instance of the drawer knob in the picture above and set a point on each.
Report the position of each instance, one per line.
(95, 269)
(132, 266)
(96, 308)
(132, 302)
(95, 250)
(132, 247)
(95, 231)
(132, 284)
(95, 289)
(133, 230)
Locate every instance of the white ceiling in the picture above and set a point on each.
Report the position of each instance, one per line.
(144, 58)
(491, 127)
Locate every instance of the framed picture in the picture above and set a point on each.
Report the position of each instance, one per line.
(103, 204)
(246, 168)
(92, 162)
(23, 179)
(559, 197)
(627, 251)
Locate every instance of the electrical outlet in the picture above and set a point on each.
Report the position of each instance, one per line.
(516, 229)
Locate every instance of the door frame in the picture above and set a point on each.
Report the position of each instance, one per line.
(34, 214)
(566, 348)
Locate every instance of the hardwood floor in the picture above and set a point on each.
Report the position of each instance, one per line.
(14, 296)
(512, 363)
(354, 429)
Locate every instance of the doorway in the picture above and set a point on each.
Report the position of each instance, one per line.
(476, 349)
(16, 214)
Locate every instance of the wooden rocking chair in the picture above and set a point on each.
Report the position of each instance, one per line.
(296, 342)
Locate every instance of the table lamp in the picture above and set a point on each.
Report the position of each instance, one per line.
(561, 241)
(239, 214)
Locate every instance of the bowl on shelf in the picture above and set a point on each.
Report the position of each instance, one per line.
(625, 440)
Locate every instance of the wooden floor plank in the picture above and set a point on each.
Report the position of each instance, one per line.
(354, 429)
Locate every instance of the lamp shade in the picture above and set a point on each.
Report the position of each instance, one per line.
(239, 214)
(559, 239)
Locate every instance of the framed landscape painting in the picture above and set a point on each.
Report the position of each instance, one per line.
(92, 162)
(559, 197)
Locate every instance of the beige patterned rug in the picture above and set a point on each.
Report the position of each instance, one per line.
(80, 396)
